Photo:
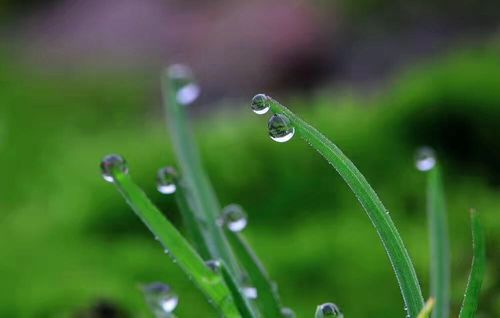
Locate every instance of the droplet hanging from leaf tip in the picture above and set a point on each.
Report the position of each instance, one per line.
(425, 159)
(160, 298)
(186, 88)
(328, 310)
(233, 217)
(260, 104)
(165, 180)
(111, 165)
(280, 128)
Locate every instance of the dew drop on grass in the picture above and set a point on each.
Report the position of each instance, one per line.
(280, 128)
(161, 299)
(287, 313)
(165, 180)
(187, 90)
(214, 265)
(112, 164)
(249, 292)
(328, 310)
(425, 159)
(233, 217)
(260, 104)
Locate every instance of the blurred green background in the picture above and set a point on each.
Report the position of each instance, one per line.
(70, 246)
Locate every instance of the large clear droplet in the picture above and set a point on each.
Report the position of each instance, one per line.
(287, 313)
(425, 159)
(328, 310)
(280, 128)
(187, 90)
(214, 265)
(233, 217)
(112, 164)
(165, 180)
(161, 299)
(249, 292)
(260, 104)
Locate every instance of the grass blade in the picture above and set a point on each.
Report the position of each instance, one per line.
(179, 250)
(268, 300)
(205, 203)
(439, 244)
(378, 214)
(240, 300)
(469, 305)
(189, 219)
(426, 311)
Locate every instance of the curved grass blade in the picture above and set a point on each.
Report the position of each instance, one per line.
(439, 244)
(426, 311)
(240, 300)
(204, 201)
(378, 214)
(189, 219)
(471, 299)
(268, 300)
(178, 248)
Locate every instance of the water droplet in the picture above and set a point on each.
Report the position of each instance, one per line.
(249, 292)
(113, 164)
(160, 298)
(214, 265)
(287, 313)
(234, 217)
(260, 104)
(425, 159)
(187, 91)
(328, 310)
(280, 128)
(165, 180)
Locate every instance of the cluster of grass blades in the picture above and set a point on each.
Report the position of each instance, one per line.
(215, 255)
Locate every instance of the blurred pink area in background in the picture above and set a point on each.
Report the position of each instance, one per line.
(232, 46)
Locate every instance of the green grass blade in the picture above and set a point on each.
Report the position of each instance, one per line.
(189, 218)
(426, 311)
(211, 284)
(378, 214)
(240, 300)
(471, 299)
(268, 300)
(205, 203)
(439, 244)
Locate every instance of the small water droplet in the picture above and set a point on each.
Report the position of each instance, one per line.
(425, 159)
(214, 265)
(165, 180)
(280, 128)
(287, 313)
(249, 292)
(112, 164)
(187, 91)
(234, 217)
(160, 298)
(328, 310)
(260, 104)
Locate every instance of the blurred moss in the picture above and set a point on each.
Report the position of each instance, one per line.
(69, 243)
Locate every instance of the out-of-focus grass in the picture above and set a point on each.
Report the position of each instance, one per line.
(68, 240)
